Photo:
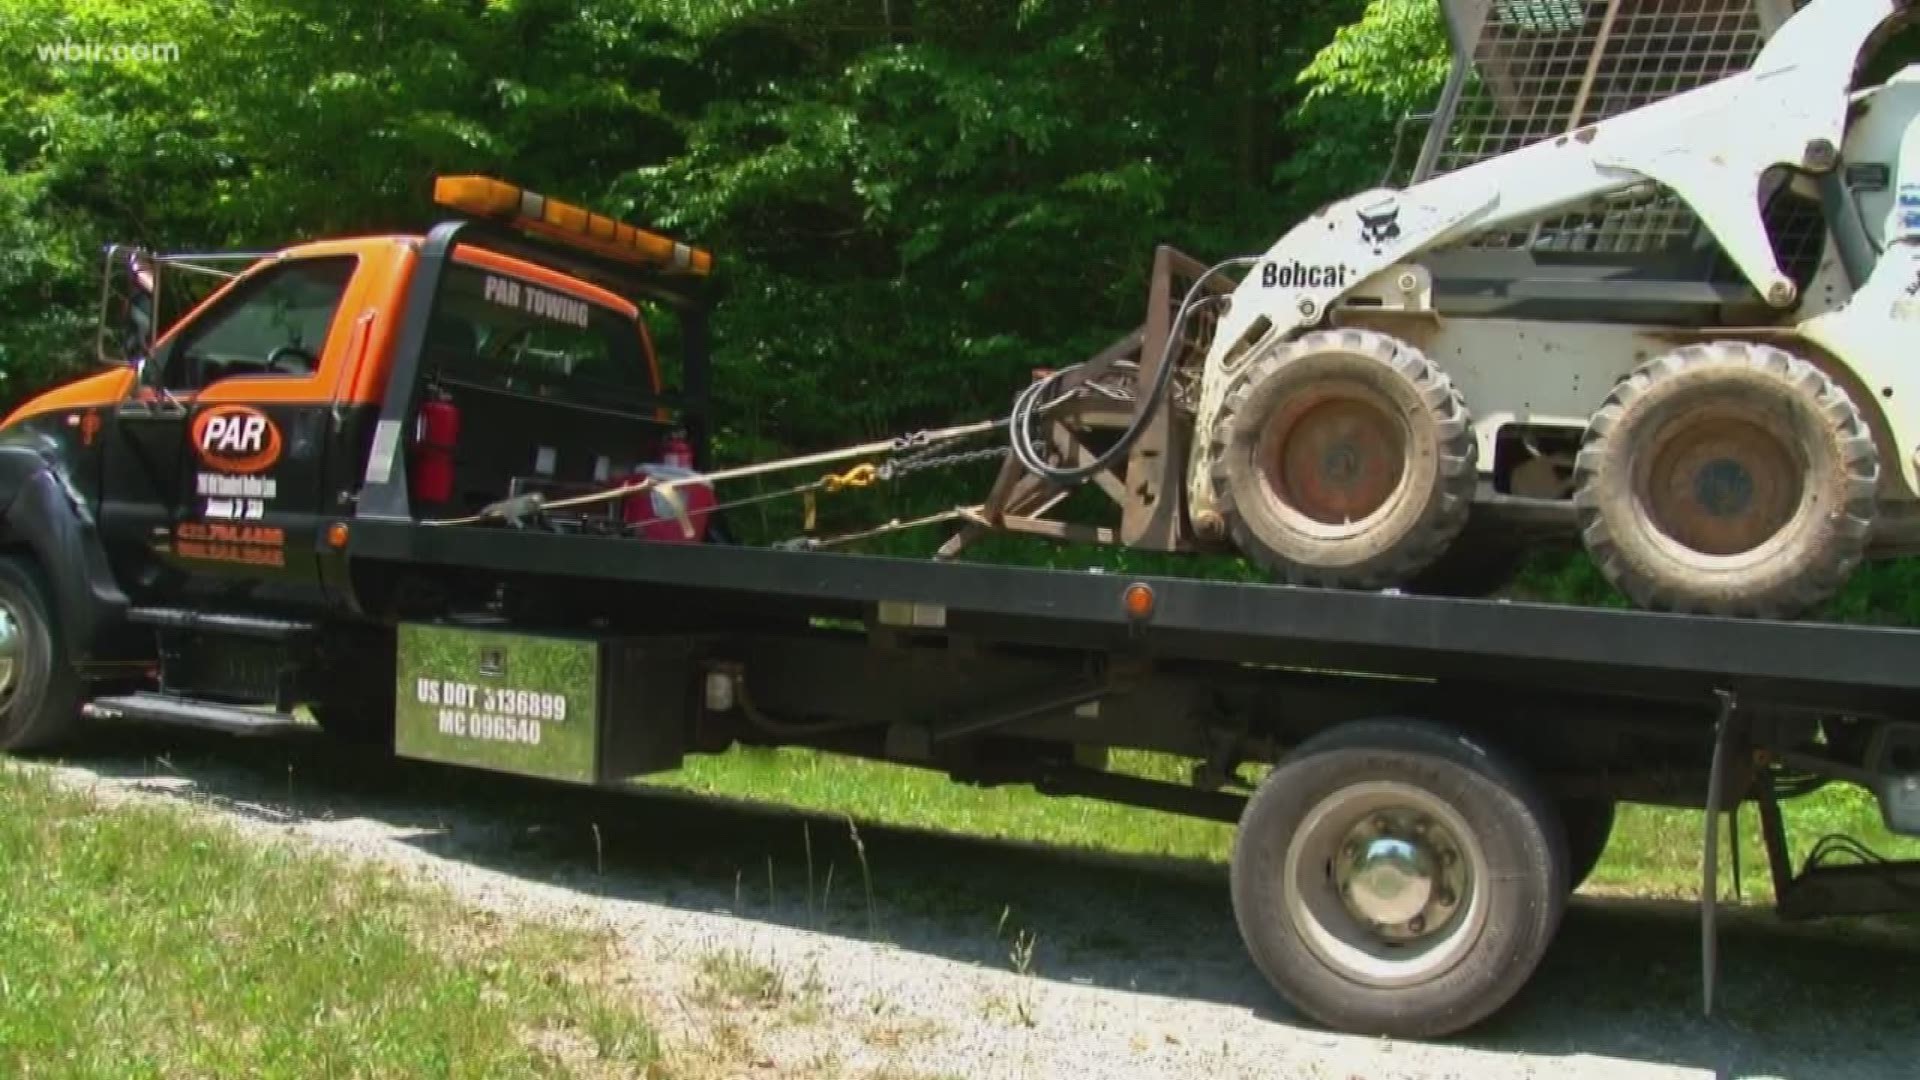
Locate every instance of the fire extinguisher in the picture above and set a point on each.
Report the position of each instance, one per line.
(436, 436)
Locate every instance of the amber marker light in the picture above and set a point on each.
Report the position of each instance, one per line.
(530, 211)
(337, 535)
(1138, 600)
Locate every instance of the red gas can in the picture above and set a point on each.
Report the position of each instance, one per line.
(648, 513)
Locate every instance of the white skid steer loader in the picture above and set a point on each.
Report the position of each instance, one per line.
(1656, 285)
(1407, 359)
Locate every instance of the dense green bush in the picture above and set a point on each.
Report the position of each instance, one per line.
(915, 202)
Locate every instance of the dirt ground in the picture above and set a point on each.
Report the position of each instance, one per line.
(775, 944)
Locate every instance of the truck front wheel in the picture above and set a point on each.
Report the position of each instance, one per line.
(1392, 877)
(39, 691)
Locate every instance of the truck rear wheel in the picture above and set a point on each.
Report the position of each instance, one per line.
(1392, 877)
(39, 691)
(1344, 458)
(1727, 479)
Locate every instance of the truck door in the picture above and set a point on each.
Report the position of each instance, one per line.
(218, 463)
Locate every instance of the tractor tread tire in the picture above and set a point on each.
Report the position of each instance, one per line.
(1816, 563)
(1420, 534)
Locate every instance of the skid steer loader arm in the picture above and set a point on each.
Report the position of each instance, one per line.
(1711, 147)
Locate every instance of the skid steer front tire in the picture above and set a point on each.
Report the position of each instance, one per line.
(1727, 479)
(1343, 459)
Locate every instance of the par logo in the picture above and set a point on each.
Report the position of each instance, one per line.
(236, 439)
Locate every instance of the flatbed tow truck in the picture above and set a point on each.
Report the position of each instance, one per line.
(351, 482)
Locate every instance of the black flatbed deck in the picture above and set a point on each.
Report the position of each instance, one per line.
(1607, 652)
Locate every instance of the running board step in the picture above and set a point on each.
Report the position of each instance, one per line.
(192, 712)
(217, 623)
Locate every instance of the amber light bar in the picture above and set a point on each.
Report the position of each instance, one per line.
(483, 196)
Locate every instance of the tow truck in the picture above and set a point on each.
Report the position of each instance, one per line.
(451, 495)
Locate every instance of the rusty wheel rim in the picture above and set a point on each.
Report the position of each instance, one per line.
(1334, 456)
(1722, 483)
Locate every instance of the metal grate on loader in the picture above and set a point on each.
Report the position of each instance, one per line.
(1538, 69)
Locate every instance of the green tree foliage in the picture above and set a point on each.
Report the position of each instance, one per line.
(1387, 65)
(915, 201)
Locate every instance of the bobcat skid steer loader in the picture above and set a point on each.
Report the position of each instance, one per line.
(1657, 285)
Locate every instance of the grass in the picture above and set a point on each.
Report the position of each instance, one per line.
(1655, 851)
(899, 795)
(146, 942)
(732, 978)
(140, 942)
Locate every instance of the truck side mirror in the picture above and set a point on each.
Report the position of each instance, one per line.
(129, 299)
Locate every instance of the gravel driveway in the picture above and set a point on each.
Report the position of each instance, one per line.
(803, 946)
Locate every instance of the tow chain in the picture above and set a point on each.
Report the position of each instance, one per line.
(924, 457)
(932, 458)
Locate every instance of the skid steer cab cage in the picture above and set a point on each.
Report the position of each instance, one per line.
(1525, 71)
(593, 248)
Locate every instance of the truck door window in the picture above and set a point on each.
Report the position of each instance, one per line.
(274, 324)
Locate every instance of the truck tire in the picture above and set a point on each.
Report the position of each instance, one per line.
(39, 690)
(1727, 479)
(1589, 825)
(1393, 877)
(1343, 459)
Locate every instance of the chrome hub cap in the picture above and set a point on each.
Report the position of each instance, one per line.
(10, 655)
(1400, 873)
(1384, 884)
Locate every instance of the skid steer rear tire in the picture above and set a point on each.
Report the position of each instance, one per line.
(1727, 479)
(1343, 459)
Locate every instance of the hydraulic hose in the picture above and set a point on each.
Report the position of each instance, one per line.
(1028, 404)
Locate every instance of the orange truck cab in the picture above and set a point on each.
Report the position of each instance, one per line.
(413, 377)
